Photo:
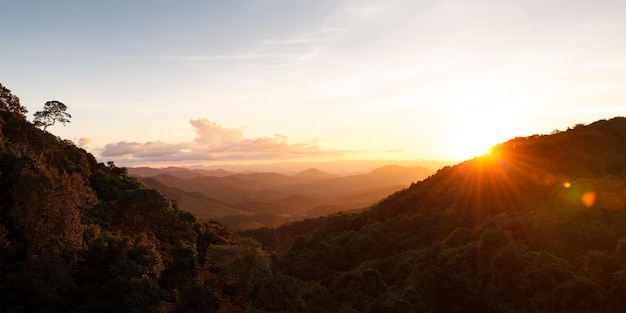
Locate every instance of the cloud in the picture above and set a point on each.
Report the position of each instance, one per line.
(151, 149)
(221, 57)
(212, 133)
(395, 151)
(84, 141)
(299, 40)
(214, 142)
(362, 11)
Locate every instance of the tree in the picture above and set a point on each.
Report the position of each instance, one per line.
(53, 111)
(10, 102)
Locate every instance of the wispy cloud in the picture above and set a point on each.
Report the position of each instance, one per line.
(279, 51)
(395, 151)
(84, 141)
(294, 41)
(220, 57)
(362, 11)
(214, 142)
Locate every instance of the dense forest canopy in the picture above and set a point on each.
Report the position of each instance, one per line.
(537, 225)
(77, 235)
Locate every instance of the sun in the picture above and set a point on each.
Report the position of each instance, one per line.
(472, 129)
(469, 146)
(473, 138)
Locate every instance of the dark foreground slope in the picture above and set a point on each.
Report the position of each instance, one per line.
(538, 225)
(82, 236)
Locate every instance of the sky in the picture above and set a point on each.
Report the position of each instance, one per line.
(163, 82)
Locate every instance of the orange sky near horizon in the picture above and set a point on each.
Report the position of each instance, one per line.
(245, 82)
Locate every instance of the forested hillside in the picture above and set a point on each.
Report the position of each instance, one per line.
(81, 236)
(537, 225)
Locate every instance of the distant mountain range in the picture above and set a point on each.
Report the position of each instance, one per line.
(536, 225)
(338, 167)
(258, 199)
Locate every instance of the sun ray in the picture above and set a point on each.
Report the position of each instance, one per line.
(499, 182)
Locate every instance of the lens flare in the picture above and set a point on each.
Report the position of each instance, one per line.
(589, 198)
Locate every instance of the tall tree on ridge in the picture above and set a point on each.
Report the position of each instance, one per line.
(53, 111)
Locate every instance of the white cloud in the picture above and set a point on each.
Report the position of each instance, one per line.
(212, 133)
(214, 142)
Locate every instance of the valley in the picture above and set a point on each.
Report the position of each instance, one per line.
(267, 199)
(538, 224)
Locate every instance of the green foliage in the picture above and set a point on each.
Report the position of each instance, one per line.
(11, 103)
(537, 226)
(119, 273)
(81, 236)
(239, 269)
(198, 298)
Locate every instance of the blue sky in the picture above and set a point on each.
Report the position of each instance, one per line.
(192, 82)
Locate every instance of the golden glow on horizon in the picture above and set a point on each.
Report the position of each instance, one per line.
(485, 119)
(397, 80)
(471, 137)
(467, 148)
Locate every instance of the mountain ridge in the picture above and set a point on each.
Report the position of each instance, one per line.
(274, 193)
(77, 235)
(537, 225)
(315, 173)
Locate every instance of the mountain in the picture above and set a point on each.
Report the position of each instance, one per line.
(338, 167)
(179, 172)
(206, 208)
(386, 176)
(81, 236)
(237, 198)
(315, 174)
(537, 225)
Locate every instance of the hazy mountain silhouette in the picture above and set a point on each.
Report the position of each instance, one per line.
(338, 167)
(205, 207)
(81, 236)
(180, 172)
(315, 174)
(537, 225)
(309, 193)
